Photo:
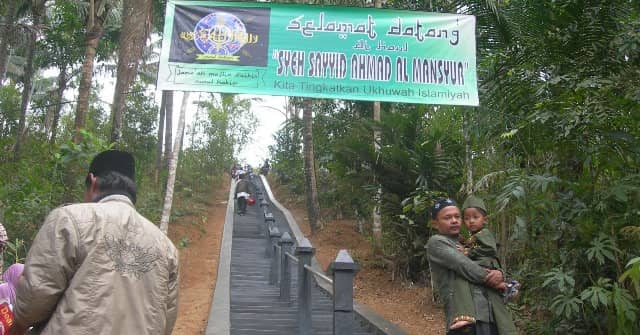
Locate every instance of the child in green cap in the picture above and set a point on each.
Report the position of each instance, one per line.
(481, 247)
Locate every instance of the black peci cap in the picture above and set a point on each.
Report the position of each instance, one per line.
(113, 160)
(440, 204)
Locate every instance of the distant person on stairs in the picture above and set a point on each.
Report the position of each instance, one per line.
(265, 168)
(100, 267)
(243, 192)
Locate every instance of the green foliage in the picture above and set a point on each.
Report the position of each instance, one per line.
(9, 110)
(139, 123)
(565, 305)
(33, 186)
(554, 150)
(223, 124)
(407, 234)
(598, 295)
(184, 242)
(286, 155)
(559, 280)
(602, 248)
(16, 252)
(64, 37)
(150, 197)
(626, 312)
(632, 274)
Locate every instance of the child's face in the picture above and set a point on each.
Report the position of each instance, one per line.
(474, 219)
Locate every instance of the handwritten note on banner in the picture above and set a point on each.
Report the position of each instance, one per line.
(319, 51)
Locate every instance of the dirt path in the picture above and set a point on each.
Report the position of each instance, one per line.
(406, 305)
(199, 261)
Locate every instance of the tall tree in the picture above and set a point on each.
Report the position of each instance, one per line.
(168, 127)
(377, 138)
(224, 130)
(241, 121)
(37, 10)
(313, 205)
(59, 48)
(468, 159)
(99, 11)
(173, 165)
(158, 167)
(63, 78)
(5, 32)
(135, 30)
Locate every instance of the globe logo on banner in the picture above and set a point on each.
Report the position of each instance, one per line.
(225, 36)
(220, 33)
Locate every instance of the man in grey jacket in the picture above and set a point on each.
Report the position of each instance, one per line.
(100, 267)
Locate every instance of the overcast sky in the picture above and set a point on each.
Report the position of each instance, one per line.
(270, 114)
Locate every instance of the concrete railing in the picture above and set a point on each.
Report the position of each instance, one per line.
(367, 317)
(280, 248)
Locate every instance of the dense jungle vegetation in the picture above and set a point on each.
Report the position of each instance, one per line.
(553, 147)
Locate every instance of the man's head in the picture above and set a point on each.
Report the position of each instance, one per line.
(445, 217)
(111, 172)
(474, 213)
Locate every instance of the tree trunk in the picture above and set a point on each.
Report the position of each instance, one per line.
(168, 117)
(5, 32)
(377, 137)
(163, 106)
(95, 29)
(62, 86)
(376, 215)
(294, 105)
(313, 205)
(28, 84)
(467, 151)
(173, 165)
(135, 29)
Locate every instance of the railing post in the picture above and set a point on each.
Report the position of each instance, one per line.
(264, 204)
(268, 217)
(285, 272)
(304, 252)
(268, 251)
(274, 235)
(344, 269)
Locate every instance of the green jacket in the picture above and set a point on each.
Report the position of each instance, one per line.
(483, 249)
